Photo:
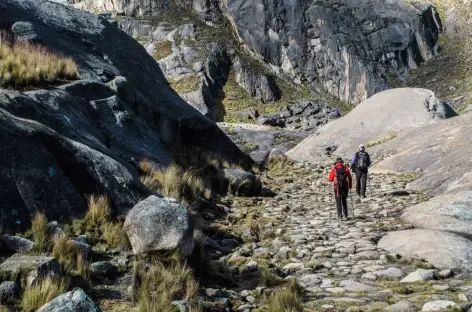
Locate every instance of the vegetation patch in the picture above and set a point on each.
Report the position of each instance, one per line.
(40, 233)
(162, 49)
(288, 300)
(25, 65)
(42, 292)
(185, 186)
(186, 85)
(392, 135)
(155, 286)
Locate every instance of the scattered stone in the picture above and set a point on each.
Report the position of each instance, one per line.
(446, 273)
(83, 248)
(439, 305)
(16, 243)
(419, 275)
(103, 269)
(251, 266)
(159, 224)
(9, 292)
(293, 267)
(212, 292)
(390, 273)
(351, 285)
(30, 268)
(82, 239)
(73, 301)
(242, 183)
(441, 287)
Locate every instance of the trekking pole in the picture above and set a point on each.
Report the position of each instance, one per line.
(352, 204)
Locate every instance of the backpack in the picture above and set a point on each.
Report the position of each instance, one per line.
(362, 160)
(341, 178)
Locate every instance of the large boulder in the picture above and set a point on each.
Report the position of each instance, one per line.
(242, 183)
(450, 212)
(72, 301)
(329, 42)
(29, 269)
(156, 224)
(385, 114)
(442, 249)
(88, 136)
(439, 153)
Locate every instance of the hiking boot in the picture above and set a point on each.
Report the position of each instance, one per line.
(363, 196)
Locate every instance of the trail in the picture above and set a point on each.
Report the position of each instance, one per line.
(337, 263)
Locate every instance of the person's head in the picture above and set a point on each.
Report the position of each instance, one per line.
(362, 147)
(339, 160)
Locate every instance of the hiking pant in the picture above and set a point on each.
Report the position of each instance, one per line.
(361, 181)
(341, 201)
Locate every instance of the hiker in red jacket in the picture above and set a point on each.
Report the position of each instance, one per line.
(341, 176)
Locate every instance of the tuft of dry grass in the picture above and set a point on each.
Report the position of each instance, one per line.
(267, 278)
(115, 236)
(160, 284)
(83, 266)
(25, 64)
(186, 85)
(40, 232)
(287, 300)
(70, 258)
(41, 293)
(162, 49)
(98, 210)
(392, 135)
(177, 183)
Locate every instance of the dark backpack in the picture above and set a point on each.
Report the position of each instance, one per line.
(341, 178)
(362, 160)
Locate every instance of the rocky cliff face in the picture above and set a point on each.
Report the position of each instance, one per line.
(60, 144)
(346, 48)
(349, 47)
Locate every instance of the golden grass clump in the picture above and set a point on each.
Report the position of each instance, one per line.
(26, 64)
(382, 139)
(70, 258)
(40, 232)
(98, 210)
(42, 292)
(175, 182)
(288, 300)
(115, 236)
(156, 287)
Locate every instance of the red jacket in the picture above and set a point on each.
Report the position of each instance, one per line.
(332, 174)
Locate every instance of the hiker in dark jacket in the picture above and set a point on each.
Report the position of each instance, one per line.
(360, 165)
(341, 176)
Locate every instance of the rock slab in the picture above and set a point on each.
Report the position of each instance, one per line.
(442, 249)
(73, 301)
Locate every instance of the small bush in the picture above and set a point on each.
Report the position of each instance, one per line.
(41, 293)
(160, 284)
(25, 64)
(40, 232)
(115, 236)
(98, 210)
(287, 300)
